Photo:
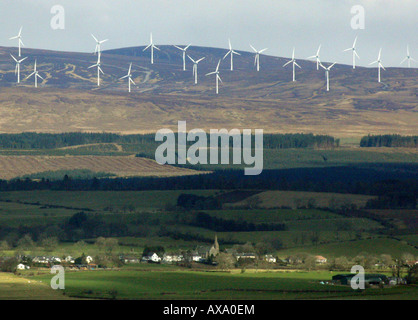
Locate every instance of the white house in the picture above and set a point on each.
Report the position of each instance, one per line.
(152, 257)
(69, 259)
(21, 266)
(270, 258)
(170, 258)
(89, 259)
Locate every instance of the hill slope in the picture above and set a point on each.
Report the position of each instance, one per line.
(69, 100)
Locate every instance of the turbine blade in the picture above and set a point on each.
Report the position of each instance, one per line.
(253, 48)
(94, 38)
(287, 63)
(200, 59)
(187, 47)
(298, 65)
(147, 47)
(155, 47)
(208, 74)
(261, 51)
(227, 54)
(178, 47)
(331, 66)
(191, 59)
(13, 58)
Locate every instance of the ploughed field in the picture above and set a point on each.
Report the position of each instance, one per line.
(121, 166)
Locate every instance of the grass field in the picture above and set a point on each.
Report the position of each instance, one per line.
(18, 288)
(351, 249)
(293, 199)
(173, 283)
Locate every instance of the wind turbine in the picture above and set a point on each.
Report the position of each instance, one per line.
(327, 69)
(99, 69)
(36, 74)
(379, 64)
(294, 63)
(152, 46)
(257, 56)
(353, 49)
(316, 57)
(129, 76)
(195, 63)
(184, 55)
(19, 37)
(408, 57)
(17, 69)
(218, 78)
(231, 52)
(98, 44)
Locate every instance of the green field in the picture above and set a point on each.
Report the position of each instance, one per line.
(173, 283)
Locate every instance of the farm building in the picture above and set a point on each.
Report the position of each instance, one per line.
(373, 279)
(320, 259)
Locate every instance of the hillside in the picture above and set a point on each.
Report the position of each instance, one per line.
(69, 100)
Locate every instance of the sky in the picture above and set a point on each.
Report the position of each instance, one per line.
(278, 25)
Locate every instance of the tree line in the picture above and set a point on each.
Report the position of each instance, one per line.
(33, 140)
(389, 140)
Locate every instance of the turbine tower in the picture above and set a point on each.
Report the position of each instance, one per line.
(17, 69)
(257, 56)
(231, 52)
(316, 57)
(294, 63)
(327, 69)
(36, 74)
(184, 55)
(379, 64)
(98, 44)
(353, 49)
(195, 63)
(408, 57)
(129, 76)
(19, 37)
(218, 78)
(152, 46)
(99, 69)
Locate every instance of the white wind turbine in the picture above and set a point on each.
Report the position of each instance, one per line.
(218, 78)
(36, 74)
(195, 63)
(184, 55)
(294, 63)
(17, 69)
(353, 49)
(257, 56)
(98, 44)
(152, 46)
(316, 57)
(327, 69)
(19, 37)
(129, 76)
(231, 52)
(379, 64)
(408, 57)
(99, 69)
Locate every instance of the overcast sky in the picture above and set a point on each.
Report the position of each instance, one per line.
(277, 24)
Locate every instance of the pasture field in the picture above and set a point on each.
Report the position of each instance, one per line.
(353, 248)
(173, 283)
(98, 200)
(18, 288)
(292, 199)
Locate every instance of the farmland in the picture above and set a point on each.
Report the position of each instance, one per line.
(175, 283)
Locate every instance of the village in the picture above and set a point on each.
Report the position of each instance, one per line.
(212, 258)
